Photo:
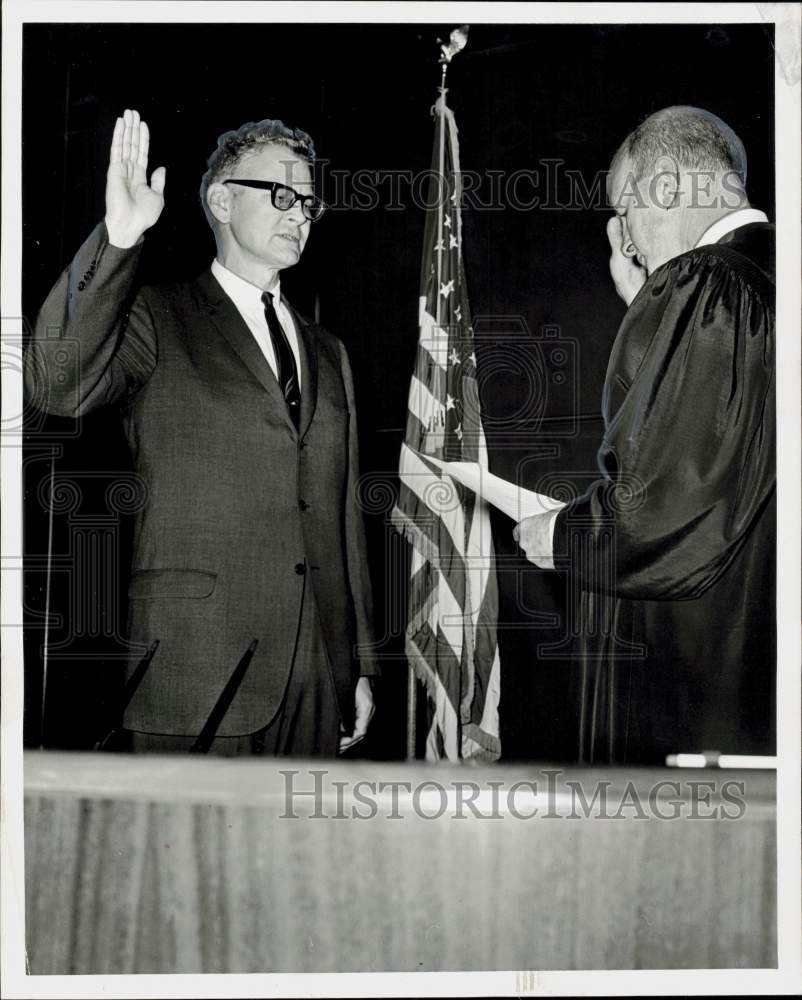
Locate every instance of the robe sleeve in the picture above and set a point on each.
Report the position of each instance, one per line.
(688, 459)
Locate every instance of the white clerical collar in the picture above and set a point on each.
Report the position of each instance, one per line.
(743, 217)
(243, 293)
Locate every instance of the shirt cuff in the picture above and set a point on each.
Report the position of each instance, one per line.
(547, 559)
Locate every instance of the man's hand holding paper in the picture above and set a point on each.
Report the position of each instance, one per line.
(513, 500)
(535, 512)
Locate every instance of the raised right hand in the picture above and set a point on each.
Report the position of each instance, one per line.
(132, 205)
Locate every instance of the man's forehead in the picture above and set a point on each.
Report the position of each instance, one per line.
(275, 163)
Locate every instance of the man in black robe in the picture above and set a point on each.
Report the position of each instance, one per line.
(670, 557)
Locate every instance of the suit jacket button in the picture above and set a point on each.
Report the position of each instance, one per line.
(303, 505)
(81, 286)
(300, 569)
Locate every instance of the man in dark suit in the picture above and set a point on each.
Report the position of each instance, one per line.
(240, 418)
(670, 556)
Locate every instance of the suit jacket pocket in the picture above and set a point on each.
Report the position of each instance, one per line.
(191, 584)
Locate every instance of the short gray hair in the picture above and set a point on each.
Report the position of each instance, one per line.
(233, 146)
(694, 138)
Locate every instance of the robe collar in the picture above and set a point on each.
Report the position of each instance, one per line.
(728, 223)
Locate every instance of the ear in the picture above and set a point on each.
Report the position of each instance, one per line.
(218, 198)
(665, 184)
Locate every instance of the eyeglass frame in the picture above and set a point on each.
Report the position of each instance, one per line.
(271, 186)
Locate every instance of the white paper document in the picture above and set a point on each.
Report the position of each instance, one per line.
(514, 501)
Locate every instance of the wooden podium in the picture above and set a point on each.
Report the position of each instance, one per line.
(189, 864)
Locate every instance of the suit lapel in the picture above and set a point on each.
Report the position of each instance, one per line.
(226, 318)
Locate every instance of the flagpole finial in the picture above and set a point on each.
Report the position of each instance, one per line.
(457, 41)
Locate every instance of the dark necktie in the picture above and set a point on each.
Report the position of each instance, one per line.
(287, 372)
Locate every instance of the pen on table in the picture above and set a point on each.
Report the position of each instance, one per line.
(713, 758)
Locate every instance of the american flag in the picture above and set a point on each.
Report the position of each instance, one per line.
(453, 598)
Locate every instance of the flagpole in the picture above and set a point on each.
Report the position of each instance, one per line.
(48, 584)
(440, 107)
(412, 685)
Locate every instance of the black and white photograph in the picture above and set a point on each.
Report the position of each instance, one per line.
(400, 496)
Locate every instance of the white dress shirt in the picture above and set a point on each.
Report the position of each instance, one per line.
(248, 300)
(727, 224)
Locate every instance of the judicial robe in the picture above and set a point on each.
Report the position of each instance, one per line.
(670, 557)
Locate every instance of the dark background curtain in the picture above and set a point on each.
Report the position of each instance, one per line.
(555, 100)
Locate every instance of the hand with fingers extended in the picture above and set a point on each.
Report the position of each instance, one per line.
(132, 205)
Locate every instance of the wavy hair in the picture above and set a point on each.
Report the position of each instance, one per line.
(233, 146)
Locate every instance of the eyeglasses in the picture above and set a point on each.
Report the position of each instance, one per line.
(284, 197)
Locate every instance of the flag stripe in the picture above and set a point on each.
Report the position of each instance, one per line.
(423, 404)
(439, 505)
